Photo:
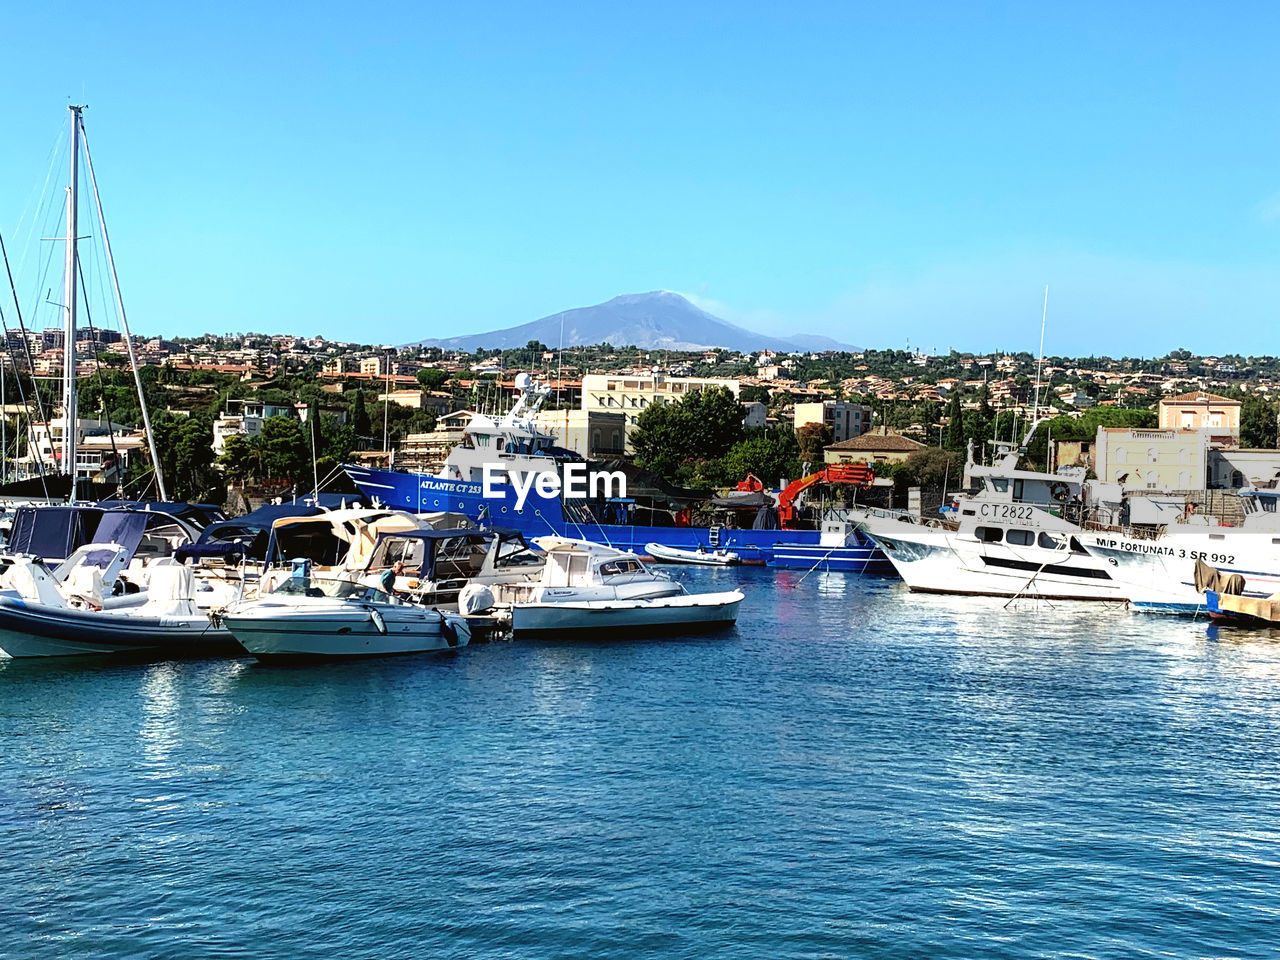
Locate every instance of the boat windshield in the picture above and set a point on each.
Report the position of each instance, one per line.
(333, 589)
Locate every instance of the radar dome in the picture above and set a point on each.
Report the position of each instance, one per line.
(523, 381)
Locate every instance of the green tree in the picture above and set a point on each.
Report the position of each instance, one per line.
(360, 417)
(754, 394)
(432, 378)
(669, 438)
(1257, 422)
(770, 454)
(954, 438)
(812, 438)
(285, 454)
(242, 458)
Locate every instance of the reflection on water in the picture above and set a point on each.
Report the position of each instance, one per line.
(853, 770)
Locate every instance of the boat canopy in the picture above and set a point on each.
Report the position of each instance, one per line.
(199, 515)
(338, 537)
(54, 532)
(440, 554)
(252, 531)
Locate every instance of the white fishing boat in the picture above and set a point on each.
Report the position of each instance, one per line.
(701, 556)
(1008, 538)
(588, 588)
(312, 618)
(1157, 572)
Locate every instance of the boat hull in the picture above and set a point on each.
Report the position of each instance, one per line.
(858, 558)
(278, 633)
(683, 614)
(934, 560)
(1159, 575)
(36, 630)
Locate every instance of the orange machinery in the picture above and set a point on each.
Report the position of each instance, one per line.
(860, 474)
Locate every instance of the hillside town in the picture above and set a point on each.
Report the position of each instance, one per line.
(1177, 423)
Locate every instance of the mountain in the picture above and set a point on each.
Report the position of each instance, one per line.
(660, 320)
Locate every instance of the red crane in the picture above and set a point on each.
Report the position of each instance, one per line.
(860, 474)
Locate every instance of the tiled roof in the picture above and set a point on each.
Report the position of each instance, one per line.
(1197, 396)
(873, 442)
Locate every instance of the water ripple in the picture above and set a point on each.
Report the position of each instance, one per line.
(854, 770)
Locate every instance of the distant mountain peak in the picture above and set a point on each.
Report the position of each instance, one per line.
(657, 320)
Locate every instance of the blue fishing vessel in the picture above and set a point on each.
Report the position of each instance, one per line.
(489, 476)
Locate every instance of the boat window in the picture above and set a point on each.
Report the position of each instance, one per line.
(1020, 538)
(1017, 490)
(988, 534)
(1217, 536)
(1076, 548)
(614, 567)
(999, 484)
(1049, 542)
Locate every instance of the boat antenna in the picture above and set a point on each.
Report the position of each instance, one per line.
(1035, 407)
(124, 320)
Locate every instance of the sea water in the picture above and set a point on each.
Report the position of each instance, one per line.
(853, 771)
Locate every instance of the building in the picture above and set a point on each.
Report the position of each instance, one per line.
(427, 452)
(594, 434)
(102, 447)
(754, 414)
(1155, 459)
(846, 420)
(374, 366)
(630, 393)
(245, 418)
(873, 447)
(1200, 411)
(406, 398)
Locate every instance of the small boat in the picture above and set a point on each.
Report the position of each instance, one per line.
(38, 618)
(587, 587)
(310, 618)
(840, 548)
(701, 556)
(686, 613)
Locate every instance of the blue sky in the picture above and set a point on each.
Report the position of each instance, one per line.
(880, 173)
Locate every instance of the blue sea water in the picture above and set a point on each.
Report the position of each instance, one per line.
(852, 771)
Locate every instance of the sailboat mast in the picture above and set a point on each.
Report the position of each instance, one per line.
(124, 324)
(69, 411)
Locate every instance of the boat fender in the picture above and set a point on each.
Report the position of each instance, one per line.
(448, 631)
(378, 622)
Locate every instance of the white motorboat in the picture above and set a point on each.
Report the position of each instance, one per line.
(587, 587)
(41, 617)
(606, 618)
(310, 618)
(701, 556)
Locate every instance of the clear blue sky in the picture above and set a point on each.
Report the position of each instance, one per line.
(875, 172)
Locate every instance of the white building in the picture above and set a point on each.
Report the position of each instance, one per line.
(846, 420)
(630, 393)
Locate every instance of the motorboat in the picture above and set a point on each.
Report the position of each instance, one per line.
(43, 617)
(585, 587)
(318, 618)
(438, 564)
(700, 556)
